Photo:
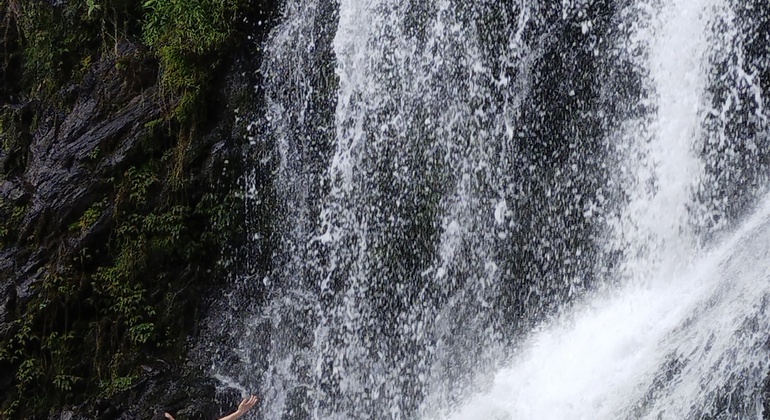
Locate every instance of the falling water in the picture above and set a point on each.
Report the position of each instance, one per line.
(683, 338)
(513, 210)
(690, 348)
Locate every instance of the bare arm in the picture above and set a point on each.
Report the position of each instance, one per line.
(243, 407)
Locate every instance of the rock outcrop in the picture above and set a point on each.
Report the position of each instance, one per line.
(62, 203)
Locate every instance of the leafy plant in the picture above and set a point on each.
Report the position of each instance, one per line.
(92, 6)
(88, 219)
(120, 298)
(12, 216)
(184, 33)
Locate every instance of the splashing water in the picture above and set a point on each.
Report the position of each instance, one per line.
(651, 352)
(685, 337)
(450, 175)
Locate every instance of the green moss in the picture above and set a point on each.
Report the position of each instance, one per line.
(118, 384)
(132, 293)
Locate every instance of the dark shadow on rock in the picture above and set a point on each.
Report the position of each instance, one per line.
(183, 392)
(71, 156)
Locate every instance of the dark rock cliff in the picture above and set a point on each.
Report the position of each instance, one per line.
(117, 213)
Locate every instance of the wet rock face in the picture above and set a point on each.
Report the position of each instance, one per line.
(66, 165)
(74, 151)
(7, 304)
(184, 394)
(49, 179)
(71, 154)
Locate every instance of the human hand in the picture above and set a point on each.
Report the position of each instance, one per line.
(247, 403)
(169, 416)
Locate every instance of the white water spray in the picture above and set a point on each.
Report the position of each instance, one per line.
(671, 42)
(661, 352)
(686, 336)
(446, 181)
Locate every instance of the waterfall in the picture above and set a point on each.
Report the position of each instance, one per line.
(692, 348)
(508, 210)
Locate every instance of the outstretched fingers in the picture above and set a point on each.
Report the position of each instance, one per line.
(247, 403)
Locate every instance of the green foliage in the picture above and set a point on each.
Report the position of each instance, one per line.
(54, 41)
(186, 35)
(65, 382)
(151, 240)
(218, 211)
(118, 286)
(127, 296)
(119, 384)
(116, 384)
(134, 189)
(142, 333)
(11, 217)
(29, 371)
(92, 7)
(88, 219)
(59, 347)
(14, 140)
(59, 41)
(188, 26)
(15, 346)
(10, 408)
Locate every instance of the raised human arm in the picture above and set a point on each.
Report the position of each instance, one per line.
(243, 407)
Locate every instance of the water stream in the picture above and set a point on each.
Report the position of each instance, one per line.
(511, 210)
